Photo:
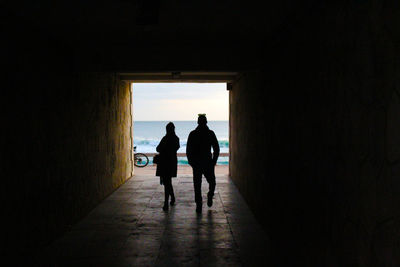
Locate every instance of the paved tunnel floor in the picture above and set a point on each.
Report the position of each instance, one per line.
(129, 228)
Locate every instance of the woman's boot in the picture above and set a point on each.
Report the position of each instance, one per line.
(172, 200)
(172, 195)
(166, 196)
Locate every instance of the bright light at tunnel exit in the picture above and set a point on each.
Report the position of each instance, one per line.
(179, 101)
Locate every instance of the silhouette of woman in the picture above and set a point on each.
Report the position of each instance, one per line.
(167, 166)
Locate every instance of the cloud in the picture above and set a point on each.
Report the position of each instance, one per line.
(177, 90)
(180, 101)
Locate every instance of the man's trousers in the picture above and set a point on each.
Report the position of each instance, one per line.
(209, 173)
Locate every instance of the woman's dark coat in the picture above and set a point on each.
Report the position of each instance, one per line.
(167, 166)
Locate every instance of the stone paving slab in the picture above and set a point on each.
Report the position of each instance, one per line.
(129, 228)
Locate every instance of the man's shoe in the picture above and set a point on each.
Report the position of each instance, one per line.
(172, 201)
(209, 200)
(165, 207)
(199, 207)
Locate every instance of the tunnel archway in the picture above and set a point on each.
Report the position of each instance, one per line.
(180, 77)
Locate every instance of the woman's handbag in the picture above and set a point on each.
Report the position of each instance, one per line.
(156, 159)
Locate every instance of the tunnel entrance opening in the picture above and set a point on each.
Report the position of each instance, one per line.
(157, 104)
(158, 98)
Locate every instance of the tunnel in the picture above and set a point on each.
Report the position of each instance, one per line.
(314, 108)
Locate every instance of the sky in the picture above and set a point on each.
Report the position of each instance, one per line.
(179, 101)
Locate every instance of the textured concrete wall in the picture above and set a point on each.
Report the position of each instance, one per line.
(67, 142)
(315, 134)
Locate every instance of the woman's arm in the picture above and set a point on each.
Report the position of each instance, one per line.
(161, 146)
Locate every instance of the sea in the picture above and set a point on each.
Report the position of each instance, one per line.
(147, 135)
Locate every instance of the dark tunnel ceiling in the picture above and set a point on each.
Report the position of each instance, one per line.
(116, 21)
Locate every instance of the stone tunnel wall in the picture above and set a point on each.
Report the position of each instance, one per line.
(315, 139)
(66, 146)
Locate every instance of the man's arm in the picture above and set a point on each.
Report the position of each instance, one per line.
(189, 149)
(177, 145)
(215, 146)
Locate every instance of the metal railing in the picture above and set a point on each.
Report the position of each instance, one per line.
(184, 154)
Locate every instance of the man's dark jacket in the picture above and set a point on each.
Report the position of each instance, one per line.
(198, 149)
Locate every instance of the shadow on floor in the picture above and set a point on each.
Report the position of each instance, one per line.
(129, 228)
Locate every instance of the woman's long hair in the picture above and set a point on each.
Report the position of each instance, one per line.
(170, 129)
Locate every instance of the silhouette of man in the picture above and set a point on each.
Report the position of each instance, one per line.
(198, 151)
